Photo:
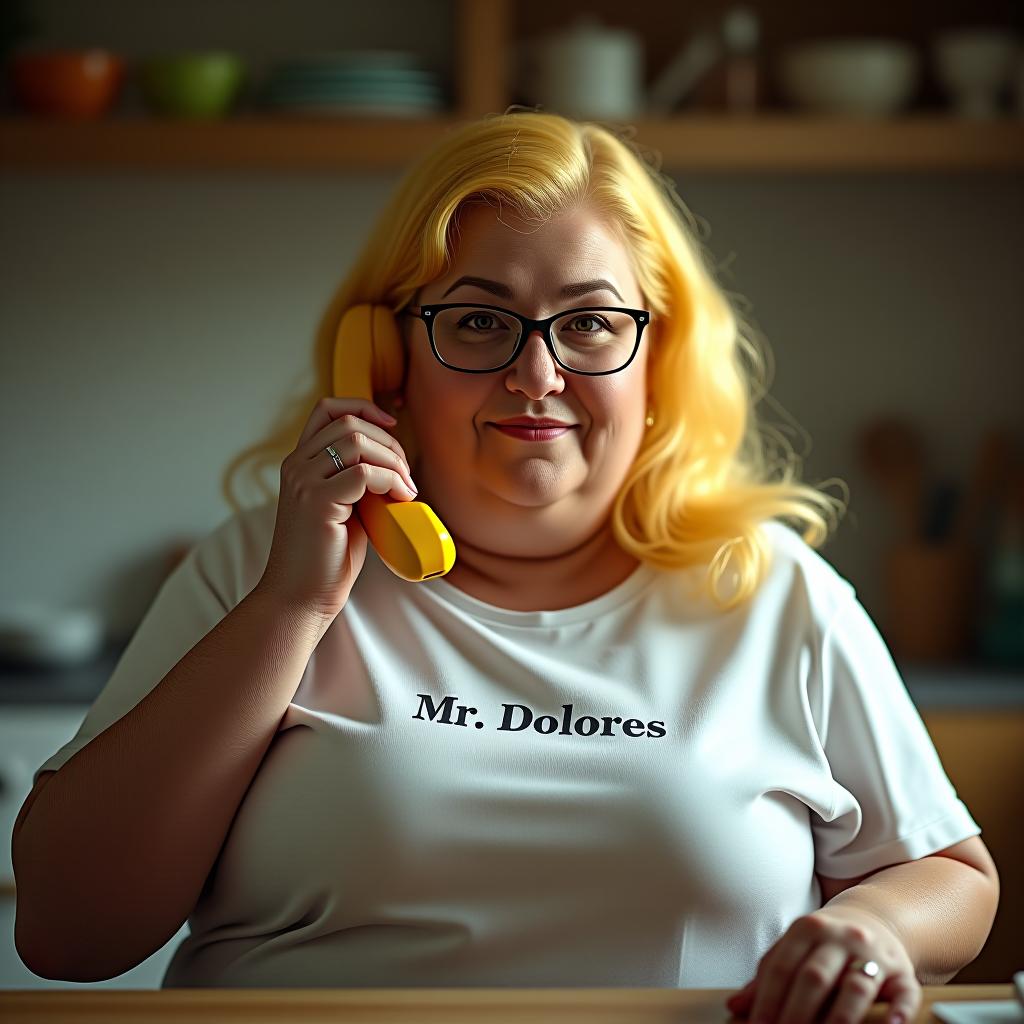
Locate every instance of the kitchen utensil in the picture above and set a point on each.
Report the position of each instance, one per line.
(927, 604)
(869, 77)
(586, 71)
(72, 84)
(893, 453)
(1001, 635)
(694, 59)
(741, 31)
(992, 466)
(355, 82)
(973, 65)
(943, 497)
(191, 85)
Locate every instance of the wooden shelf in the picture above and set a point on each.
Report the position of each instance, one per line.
(486, 32)
(719, 143)
(795, 142)
(250, 143)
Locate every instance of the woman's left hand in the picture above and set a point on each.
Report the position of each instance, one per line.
(808, 967)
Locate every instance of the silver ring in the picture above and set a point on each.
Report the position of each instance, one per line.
(866, 967)
(334, 455)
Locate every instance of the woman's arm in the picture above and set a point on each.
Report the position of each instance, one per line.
(112, 857)
(942, 906)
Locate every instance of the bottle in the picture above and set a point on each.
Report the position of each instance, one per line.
(741, 33)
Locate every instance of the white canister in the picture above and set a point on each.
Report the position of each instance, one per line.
(586, 71)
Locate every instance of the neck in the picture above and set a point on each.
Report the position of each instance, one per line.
(563, 580)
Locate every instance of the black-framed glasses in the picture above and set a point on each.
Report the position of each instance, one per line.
(477, 338)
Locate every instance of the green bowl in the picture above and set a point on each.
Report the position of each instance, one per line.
(191, 84)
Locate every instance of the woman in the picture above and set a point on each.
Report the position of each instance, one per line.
(641, 734)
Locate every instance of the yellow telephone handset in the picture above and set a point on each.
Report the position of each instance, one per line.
(409, 538)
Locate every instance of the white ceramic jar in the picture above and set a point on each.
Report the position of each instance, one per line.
(586, 71)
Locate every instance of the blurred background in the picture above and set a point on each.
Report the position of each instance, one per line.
(184, 185)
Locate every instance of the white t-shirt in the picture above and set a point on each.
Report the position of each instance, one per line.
(636, 791)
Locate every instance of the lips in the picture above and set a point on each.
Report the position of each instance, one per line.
(531, 434)
(533, 424)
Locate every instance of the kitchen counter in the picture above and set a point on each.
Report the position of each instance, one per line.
(391, 1006)
(78, 684)
(930, 686)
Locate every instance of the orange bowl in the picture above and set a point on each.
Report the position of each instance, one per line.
(67, 83)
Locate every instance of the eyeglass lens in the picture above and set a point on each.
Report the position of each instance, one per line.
(592, 340)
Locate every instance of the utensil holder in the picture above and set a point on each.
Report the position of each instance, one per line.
(929, 592)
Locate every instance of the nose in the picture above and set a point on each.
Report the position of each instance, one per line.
(535, 371)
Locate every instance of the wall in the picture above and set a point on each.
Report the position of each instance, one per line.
(149, 326)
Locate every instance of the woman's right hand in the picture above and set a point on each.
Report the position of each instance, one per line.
(319, 546)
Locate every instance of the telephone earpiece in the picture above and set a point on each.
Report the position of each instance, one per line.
(368, 357)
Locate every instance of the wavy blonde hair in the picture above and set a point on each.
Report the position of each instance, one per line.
(704, 478)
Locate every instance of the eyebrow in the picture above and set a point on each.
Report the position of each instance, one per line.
(570, 291)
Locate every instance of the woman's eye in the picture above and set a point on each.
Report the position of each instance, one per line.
(470, 320)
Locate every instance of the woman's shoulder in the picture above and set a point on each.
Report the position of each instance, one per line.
(803, 570)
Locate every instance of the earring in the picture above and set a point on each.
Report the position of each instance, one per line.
(650, 418)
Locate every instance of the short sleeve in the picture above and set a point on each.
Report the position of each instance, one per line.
(212, 578)
(892, 800)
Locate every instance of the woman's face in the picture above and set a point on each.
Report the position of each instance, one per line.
(497, 492)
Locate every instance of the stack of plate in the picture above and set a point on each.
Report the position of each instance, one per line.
(373, 83)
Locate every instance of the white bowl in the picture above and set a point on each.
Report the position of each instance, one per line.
(42, 635)
(870, 77)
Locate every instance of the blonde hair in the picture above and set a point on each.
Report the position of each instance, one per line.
(701, 483)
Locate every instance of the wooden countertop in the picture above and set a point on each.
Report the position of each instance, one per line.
(421, 1005)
